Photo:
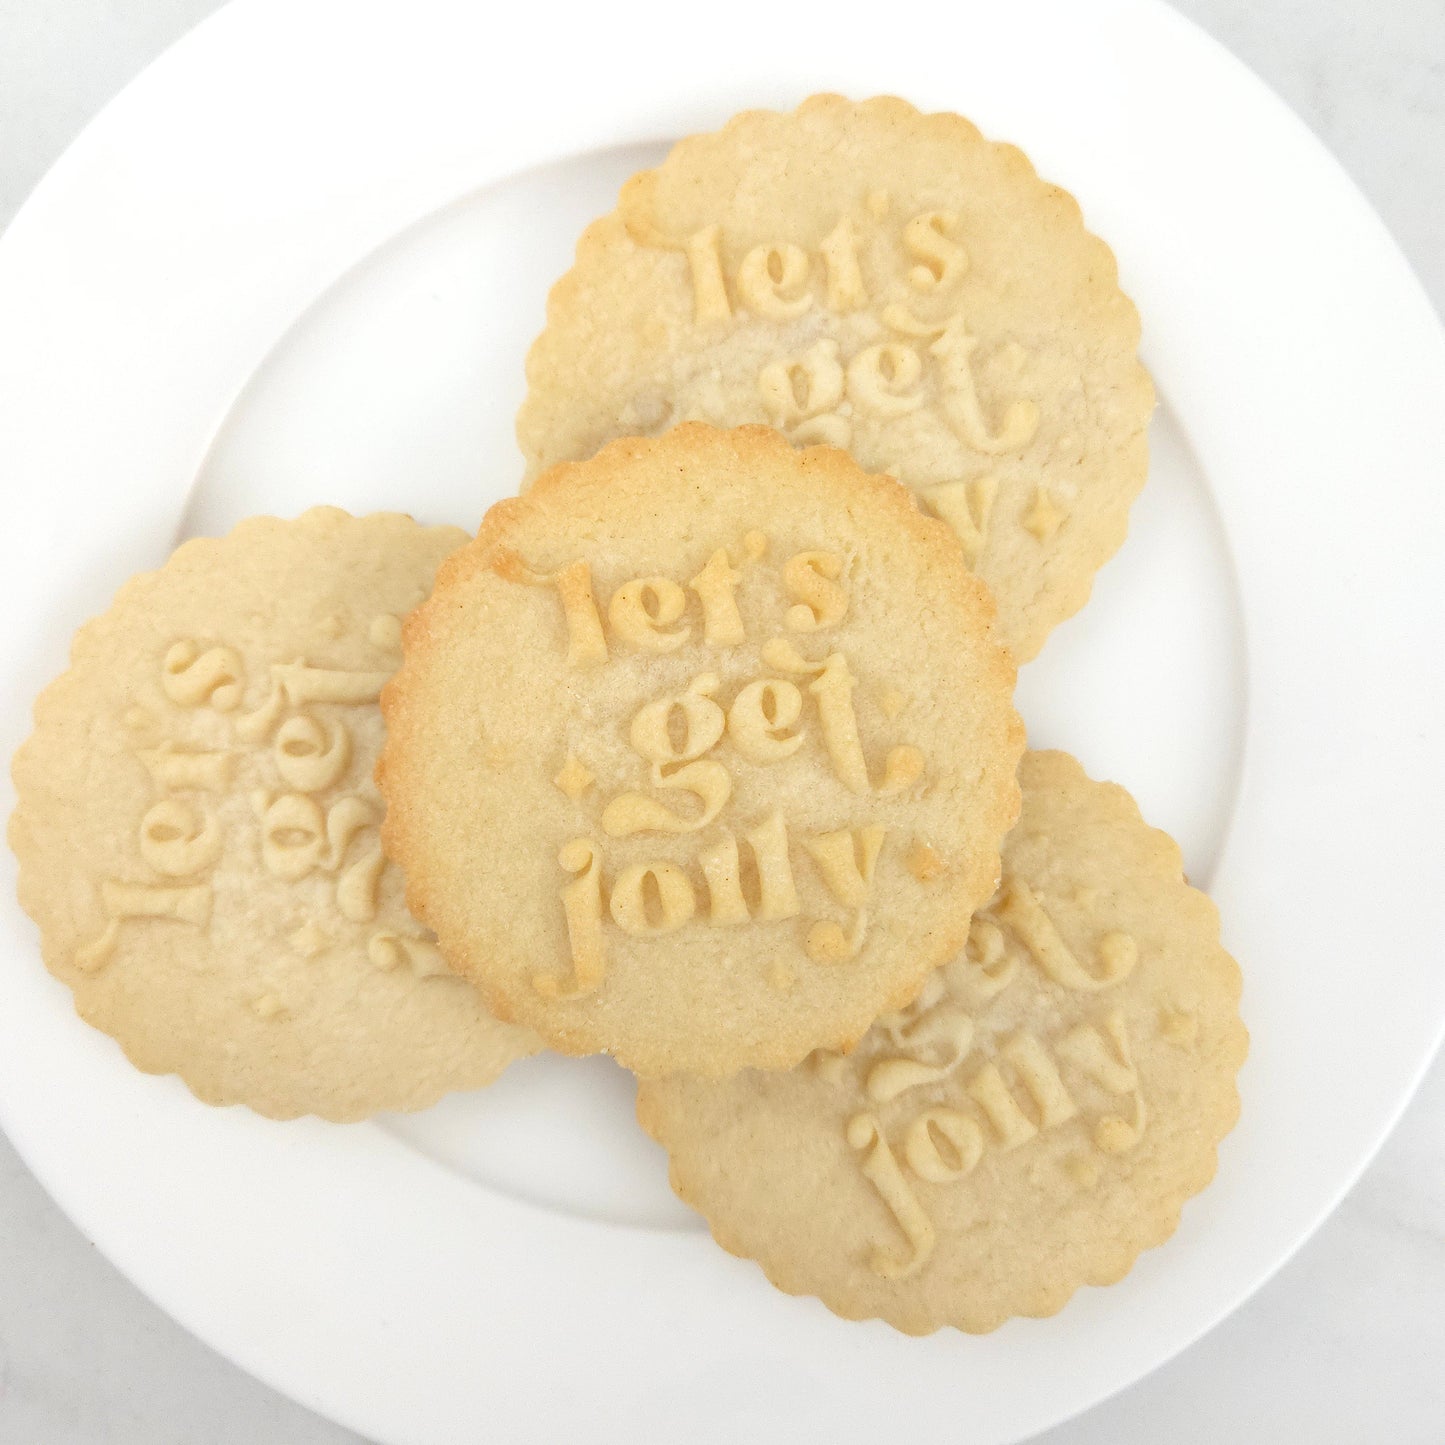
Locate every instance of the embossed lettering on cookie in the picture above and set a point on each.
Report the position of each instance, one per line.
(702, 752)
(1031, 1123)
(877, 279)
(197, 828)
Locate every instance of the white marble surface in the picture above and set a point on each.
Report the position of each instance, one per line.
(1344, 1346)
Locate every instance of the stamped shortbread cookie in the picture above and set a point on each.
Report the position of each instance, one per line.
(880, 280)
(198, 834)
(701, 753)
(1036, 1118)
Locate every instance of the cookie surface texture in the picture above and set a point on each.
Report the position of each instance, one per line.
(198, 828)
(889, 282)
(1035, 1120)
(701, 753)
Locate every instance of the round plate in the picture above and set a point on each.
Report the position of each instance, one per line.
(299, 260)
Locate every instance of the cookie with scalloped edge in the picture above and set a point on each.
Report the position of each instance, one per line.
(700, 755)
(1035, 1120)
(874, 278)
(198, 828)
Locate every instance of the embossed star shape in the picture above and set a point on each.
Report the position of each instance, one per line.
(1043, 519)
(310, 939)
(574, 779)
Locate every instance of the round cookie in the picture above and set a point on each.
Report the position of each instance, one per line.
(881, 280)
(1034, 1121)
(700, 755)
(198, 838)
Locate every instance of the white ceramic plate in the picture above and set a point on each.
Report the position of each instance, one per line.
(299, 261)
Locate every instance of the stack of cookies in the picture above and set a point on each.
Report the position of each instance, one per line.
(702, 752)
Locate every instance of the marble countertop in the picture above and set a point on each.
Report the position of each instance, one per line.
(1343, 1346)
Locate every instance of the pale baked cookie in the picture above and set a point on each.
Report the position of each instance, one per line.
(880, 280)
(198, 837)
(1030, 1124)
(701, 753)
